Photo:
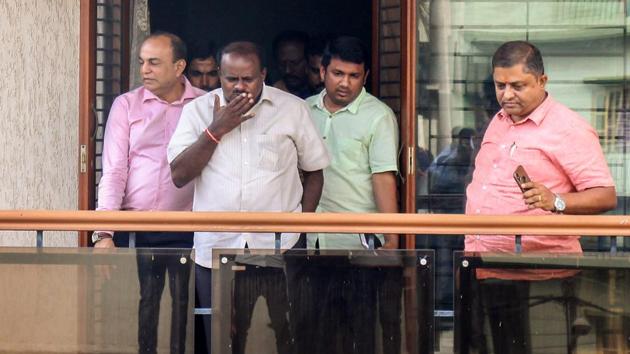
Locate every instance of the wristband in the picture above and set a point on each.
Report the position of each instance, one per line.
(212, 137)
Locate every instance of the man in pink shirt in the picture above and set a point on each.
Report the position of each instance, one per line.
(561, 154)
(136, 176)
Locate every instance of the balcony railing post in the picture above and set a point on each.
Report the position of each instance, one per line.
(132, 239)
(278, 243)
(370, 240)
(518, 247)
(613, 244)
(40, 239)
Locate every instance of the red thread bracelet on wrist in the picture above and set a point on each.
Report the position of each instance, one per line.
(212, 137)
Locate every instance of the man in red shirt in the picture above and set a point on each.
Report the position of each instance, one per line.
(560, 152)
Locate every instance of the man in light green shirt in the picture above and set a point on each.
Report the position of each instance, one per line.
(361, 135)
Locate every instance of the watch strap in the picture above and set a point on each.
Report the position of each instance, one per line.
(100, 235)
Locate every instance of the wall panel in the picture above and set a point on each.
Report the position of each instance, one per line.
(39, 62)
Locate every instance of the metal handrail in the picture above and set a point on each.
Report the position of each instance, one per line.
(46, 220)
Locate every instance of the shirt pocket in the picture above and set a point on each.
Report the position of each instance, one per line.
(527, 156)
(269, 151)
(534, 161)
(351, 153)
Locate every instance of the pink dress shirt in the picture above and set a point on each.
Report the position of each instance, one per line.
(136, 174)
(557, 148)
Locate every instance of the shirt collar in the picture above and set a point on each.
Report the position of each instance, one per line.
(353, 107)
(536, 116)
(188, 94)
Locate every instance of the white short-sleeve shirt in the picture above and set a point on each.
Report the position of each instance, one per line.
(254, 167)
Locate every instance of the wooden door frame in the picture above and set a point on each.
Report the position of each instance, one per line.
(407, 124)
(408, 38)
(376, 40)
(87, 96)
(87, 116)
(87, 99)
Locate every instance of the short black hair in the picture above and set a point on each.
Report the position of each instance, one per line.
(177, 45)
(346, 48)
(519, 52)
(202, 50)
(244, 48)
(289, 36)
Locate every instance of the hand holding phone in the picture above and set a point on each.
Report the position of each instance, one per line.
(521, 177)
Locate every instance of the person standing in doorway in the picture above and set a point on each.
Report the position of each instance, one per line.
(241, 147)
(361, 134)
(136, 177)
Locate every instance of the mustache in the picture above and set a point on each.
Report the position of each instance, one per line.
(236, 93)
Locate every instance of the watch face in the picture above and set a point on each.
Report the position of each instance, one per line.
(559, 204)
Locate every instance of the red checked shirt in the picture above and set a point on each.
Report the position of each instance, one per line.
(557, 148)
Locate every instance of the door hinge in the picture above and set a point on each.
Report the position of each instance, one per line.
(83, 157)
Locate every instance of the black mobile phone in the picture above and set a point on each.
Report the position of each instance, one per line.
(520, 176)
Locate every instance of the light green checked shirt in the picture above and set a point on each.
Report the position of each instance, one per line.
(362, 139)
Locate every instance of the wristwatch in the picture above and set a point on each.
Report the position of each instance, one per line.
(98, 236)
(559, 204)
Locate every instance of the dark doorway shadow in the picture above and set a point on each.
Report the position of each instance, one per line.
(224, 21)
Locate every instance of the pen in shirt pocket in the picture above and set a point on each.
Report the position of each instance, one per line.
(512, 149)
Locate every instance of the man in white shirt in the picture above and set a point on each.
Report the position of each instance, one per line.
(242, 146)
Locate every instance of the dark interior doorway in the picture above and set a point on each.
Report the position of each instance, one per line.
(223, 21)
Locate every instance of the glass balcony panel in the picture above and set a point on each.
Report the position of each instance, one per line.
(322, 301)
(542, 303)
(80, 300)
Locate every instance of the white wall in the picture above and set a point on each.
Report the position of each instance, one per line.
(39, 101)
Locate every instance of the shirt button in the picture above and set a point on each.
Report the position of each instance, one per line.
(245, 163)
(484, 187)
(502, 146)
(477, 237)
(244, 140)
(477, 211)
(494, 166)
(324, 138)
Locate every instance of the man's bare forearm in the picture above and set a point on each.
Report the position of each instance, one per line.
(590, 201)
(189, 164)
(384, 185)
(313, 184)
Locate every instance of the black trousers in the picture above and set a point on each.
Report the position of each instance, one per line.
(389, 287)
(269, 283)
(506, 304)
(345, 322)
(338, 313)
(153, 268)
(203, 288)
